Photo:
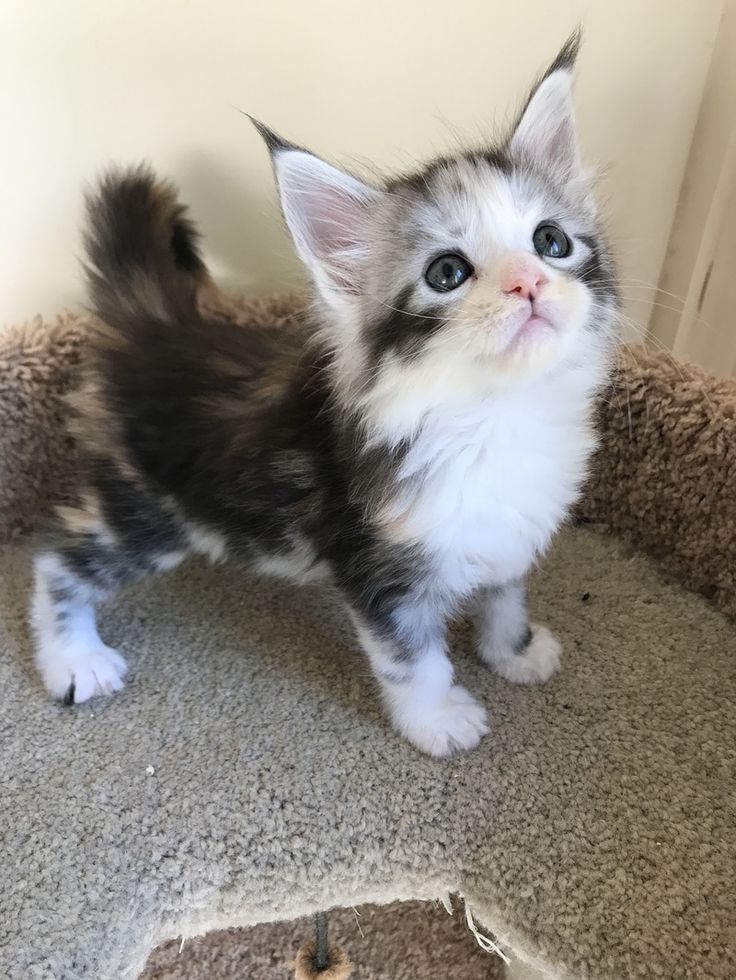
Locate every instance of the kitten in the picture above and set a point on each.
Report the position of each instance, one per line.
(415, 443)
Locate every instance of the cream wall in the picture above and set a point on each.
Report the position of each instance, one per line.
(86, 82)
(694, 316)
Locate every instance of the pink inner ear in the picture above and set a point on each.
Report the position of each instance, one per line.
(562, 143)
(334, 219)
(546, 130)
(325, 209)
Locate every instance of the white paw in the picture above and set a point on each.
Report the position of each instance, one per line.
(78, 676)
(539, 661)
(457, 725)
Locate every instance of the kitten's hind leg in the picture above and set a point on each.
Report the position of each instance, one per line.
(87, 559)
(73, 661)
(415, 677)
(521, 653)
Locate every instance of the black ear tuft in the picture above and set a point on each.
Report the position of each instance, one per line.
(273, 141)
(567, 55)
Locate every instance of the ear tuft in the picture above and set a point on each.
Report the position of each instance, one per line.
(271, 138)
(567, 55)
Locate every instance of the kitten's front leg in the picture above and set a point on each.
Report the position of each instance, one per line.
(415, 677)
(519, 652)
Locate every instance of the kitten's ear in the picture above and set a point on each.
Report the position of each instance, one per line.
(545, 132)
(326, 211)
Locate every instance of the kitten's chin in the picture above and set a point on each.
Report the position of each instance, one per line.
(536, 348)
(534, 342)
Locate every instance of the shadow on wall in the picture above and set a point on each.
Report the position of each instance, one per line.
(244, 237)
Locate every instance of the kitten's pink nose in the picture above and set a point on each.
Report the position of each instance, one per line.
(523, 280)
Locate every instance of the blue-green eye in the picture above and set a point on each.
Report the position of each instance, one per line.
(551, 242)
(447, 272)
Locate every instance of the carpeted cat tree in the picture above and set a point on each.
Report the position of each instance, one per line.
(245, 775)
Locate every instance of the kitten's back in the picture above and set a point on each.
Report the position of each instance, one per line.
(182, 396)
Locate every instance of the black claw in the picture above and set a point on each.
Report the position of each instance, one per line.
(69, 696)
(524, 641)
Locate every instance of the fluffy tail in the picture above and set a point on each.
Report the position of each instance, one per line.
(143, 263)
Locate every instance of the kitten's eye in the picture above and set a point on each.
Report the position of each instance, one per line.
(448, 272)
(551, 242)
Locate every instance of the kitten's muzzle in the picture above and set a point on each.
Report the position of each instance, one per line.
(528, 319)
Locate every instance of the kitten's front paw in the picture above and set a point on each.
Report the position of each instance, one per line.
(539, 660)
(74, 678)
(457, 725)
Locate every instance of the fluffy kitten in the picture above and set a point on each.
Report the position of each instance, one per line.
(416, 443)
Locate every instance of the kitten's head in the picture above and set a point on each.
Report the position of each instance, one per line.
(480, 270)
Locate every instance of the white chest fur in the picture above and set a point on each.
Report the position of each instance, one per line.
(484, 488)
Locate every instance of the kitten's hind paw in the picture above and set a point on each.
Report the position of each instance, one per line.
(535, 664)
(77, 678)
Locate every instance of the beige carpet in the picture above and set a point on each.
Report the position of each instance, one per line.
(247, 774)
(406, 941)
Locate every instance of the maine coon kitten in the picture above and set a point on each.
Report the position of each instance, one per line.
(416, 443)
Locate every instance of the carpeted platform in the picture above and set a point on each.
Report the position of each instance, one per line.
(245, 774)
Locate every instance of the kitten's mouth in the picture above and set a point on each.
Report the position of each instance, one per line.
(531, 326)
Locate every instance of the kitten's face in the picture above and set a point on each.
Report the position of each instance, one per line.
(491, 264)
(478, 272)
